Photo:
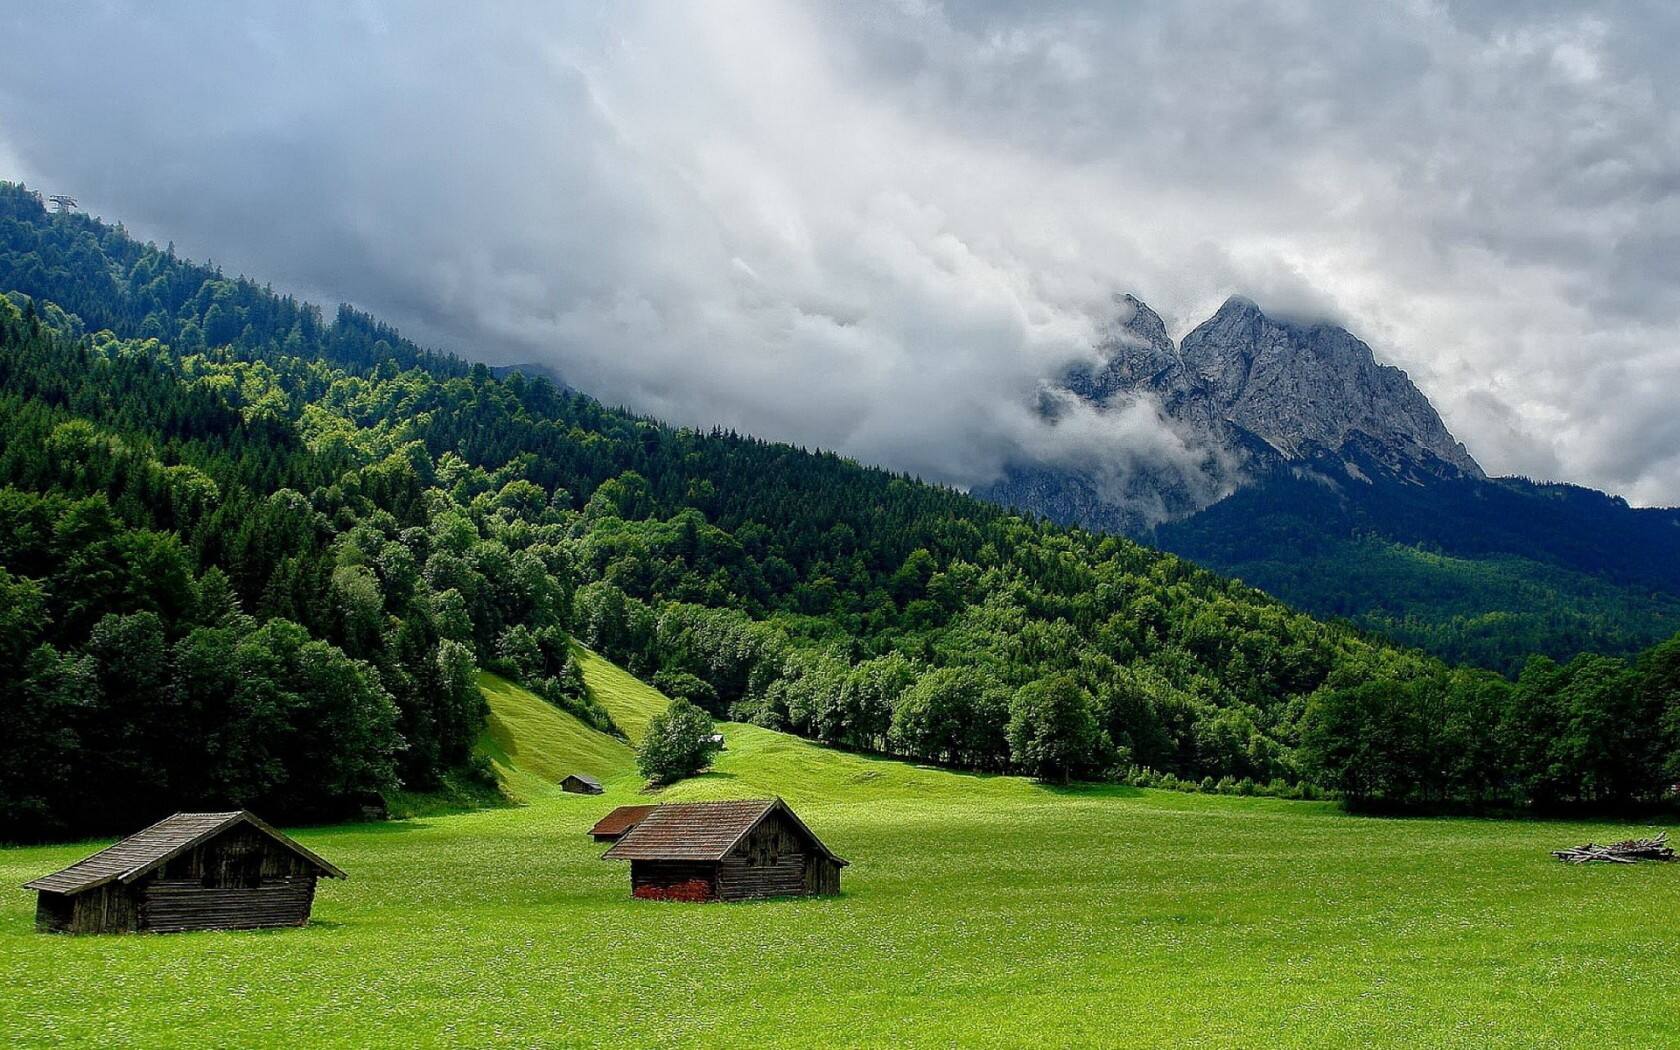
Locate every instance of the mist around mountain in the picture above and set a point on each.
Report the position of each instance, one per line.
(1325, 477)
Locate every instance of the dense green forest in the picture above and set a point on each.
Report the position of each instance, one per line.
(250, 557)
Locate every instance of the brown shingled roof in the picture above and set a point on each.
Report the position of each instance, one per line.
(145, 850)
(620, 820)
(700, 830)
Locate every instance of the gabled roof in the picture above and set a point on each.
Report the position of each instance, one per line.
(620, 820)
(702, 830)
(585, 777)
(152, 847)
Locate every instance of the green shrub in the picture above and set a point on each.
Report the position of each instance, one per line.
(679, 743)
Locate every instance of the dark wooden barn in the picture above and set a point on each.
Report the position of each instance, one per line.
(581, 784)
(192, 871)
(613, 826)
(703, 851)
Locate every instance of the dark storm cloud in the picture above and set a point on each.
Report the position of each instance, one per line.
(875, 227)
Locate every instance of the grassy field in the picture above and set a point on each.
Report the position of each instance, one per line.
(977, 911)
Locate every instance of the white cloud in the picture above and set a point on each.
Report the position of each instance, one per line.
(875, 228)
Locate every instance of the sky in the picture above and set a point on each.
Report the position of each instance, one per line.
(878, 227)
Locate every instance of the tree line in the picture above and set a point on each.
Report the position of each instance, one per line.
(1598, 731)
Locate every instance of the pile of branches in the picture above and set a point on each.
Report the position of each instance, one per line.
(1627, 851)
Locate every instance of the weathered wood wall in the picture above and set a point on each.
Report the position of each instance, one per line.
(740, 880)
(243, 856)
(108, 908)
(775, 861)
(111, 908)
(822, 877)
(173, 905)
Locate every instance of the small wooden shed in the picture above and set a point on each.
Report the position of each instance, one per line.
(581, 784)
(613, 826)
(703, 851)
(191, 871)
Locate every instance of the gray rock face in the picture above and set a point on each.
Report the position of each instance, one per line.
(1301, 386)
(1258, 394)
(1142, 360)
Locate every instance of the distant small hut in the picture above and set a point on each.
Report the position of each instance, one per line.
(191, 871)
(581, 784)
(704, 851)
(613, 826)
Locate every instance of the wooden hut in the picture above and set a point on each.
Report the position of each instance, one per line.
(581, 784)
(703, 851)
(613, 826)
(191, 871)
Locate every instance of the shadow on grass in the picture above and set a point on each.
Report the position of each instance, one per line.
(790, 900)
(1650, 818)
(1089, 789)
(394, 826)
(708, 776)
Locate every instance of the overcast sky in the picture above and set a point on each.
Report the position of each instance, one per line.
(873, 227)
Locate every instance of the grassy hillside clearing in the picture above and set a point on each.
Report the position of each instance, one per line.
(631, 702)
(532, 744)
(978, 911)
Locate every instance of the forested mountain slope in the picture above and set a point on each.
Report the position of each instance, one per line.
(1486, 571)
(253, 558)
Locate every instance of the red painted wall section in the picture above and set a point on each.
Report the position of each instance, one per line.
(687, 890)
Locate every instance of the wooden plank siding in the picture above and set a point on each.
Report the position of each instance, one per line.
(822, 877)
(109, 907)
(241, 856)
(173, 905)
(739, 880)
(769, 862)
(103, 909)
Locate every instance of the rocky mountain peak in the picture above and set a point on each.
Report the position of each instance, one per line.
(1133, 315)
(1137, 353)
(1305, 387)
(1244, 394)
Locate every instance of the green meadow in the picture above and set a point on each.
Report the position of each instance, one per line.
(977, 911)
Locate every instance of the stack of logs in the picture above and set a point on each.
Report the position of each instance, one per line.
(1627, 851)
